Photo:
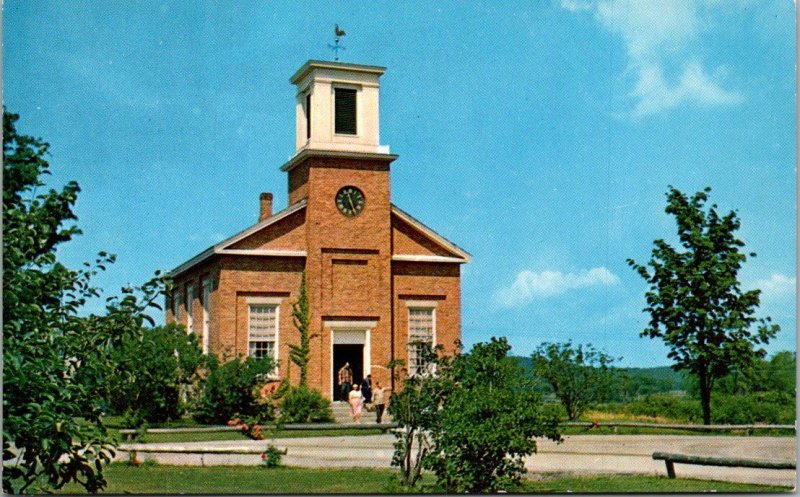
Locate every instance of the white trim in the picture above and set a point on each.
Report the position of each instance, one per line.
(304, 153)
(207, 286)
(349, 324)
(435, 237)
(365, 331)
(264, 300)
(427, 258)
(263, 252)
(422, 304)
(337, 66)
(344, 336)
(190, 291)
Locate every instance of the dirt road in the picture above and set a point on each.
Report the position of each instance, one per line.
(578, 454)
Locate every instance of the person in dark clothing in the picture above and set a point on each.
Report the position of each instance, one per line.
(345, 380)
(366, 389)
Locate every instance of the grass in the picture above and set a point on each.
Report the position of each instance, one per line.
(163, 479)
(640, 484)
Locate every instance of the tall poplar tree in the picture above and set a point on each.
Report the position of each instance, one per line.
(300, 353)
(694, 298)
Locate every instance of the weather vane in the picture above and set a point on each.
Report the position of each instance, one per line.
(338, 33)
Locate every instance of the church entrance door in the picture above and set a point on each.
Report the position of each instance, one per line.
(349, 346)
(347, 353)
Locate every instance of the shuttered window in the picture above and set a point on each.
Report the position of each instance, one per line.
(345, 111)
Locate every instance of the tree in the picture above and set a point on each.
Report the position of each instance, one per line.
(55, 363)
(152, 368)
(580, 375)
(694, 299)
(474, 421)
(233, 389)
(299, 354)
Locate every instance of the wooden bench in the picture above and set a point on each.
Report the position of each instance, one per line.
(671, 459)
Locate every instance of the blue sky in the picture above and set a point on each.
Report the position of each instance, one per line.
(539, 136)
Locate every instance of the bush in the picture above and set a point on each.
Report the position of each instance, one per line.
(151, 369)
(759, 407)
(304, 405)
(473, 421)
(666, 406)
(272, 457)
(232, 390)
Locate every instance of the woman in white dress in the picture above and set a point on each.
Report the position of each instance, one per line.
(356, 399)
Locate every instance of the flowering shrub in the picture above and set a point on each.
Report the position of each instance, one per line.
(252, 429)
(272, 457)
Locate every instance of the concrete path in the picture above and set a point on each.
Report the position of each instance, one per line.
(578, 454)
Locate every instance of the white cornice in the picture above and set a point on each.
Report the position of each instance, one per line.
(336, 66)
(263, 252)
(428, 258)
(336, 154)
(433, 236)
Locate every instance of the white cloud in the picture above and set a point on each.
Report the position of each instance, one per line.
(776, 286)
(655, 94)
(530, 285)
(658, 36)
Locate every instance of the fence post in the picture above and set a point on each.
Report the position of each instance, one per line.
(670, 468)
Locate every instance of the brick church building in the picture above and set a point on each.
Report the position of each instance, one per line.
(377, 278)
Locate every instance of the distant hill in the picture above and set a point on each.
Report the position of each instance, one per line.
(640, 381)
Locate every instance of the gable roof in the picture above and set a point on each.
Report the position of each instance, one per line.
(459, 254)
(222, 247)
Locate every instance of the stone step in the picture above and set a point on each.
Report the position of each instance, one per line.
(341, 414)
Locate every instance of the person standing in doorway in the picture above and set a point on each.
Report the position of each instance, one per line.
(379, 400)
(356, 400)
(345, 380)
(366, 389)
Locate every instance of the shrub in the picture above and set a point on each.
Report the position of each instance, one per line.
(272, 457)
(151, 369)
(304, 405)
(232, 390)
(666, 406)
(474, 421)
(759, 407)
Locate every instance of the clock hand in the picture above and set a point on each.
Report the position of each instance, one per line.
(350, 199)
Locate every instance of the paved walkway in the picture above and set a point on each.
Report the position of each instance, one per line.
(578, 454)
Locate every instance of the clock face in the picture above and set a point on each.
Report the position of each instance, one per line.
(350, 201)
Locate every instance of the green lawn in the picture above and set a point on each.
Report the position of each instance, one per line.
(162, 479)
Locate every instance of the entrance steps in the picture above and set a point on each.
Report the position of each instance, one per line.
(341, 414)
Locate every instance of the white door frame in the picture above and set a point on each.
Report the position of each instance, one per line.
(351, 332)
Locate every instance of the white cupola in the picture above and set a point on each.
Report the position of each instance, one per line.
(337, 107)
